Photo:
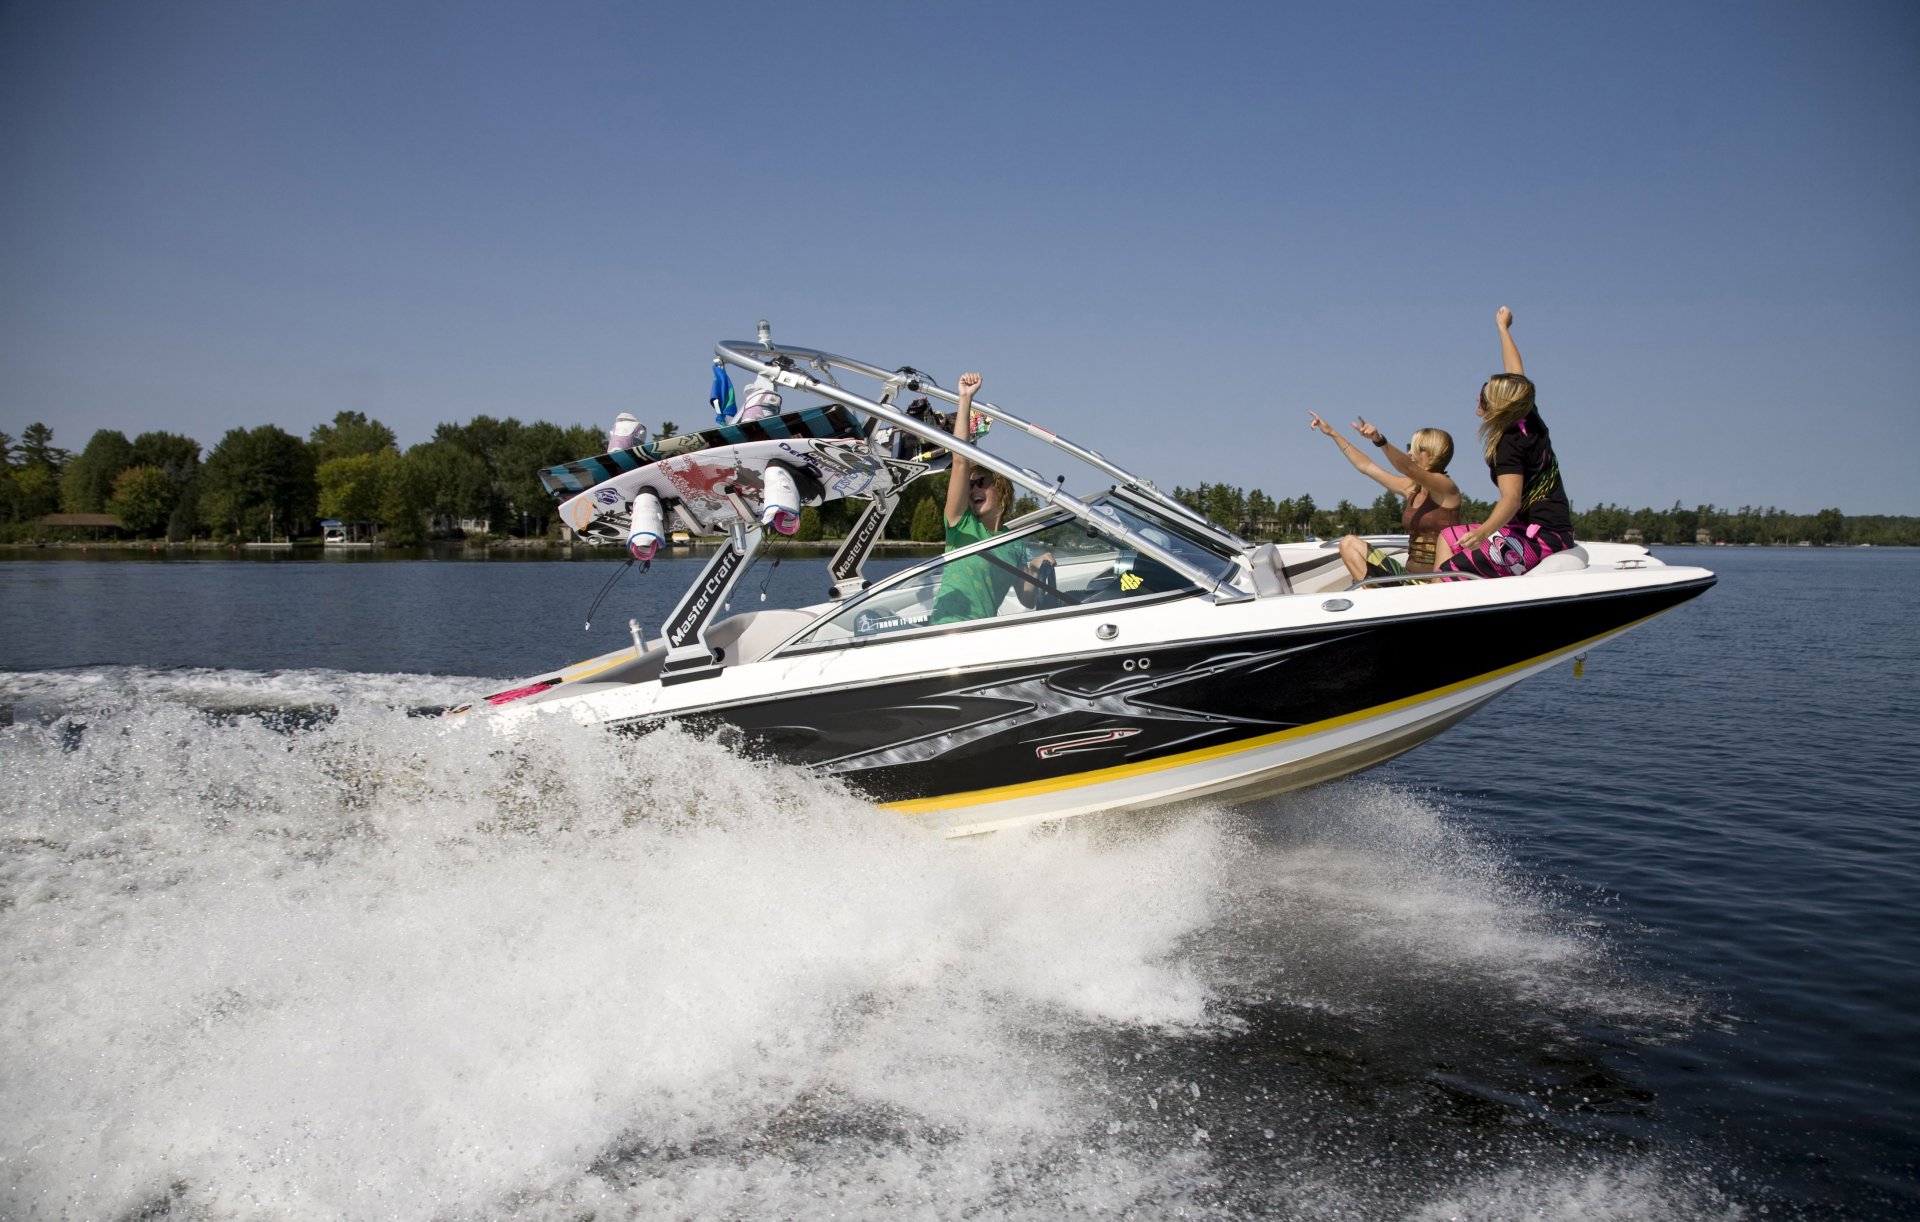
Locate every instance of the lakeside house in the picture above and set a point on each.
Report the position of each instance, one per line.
(93, 523)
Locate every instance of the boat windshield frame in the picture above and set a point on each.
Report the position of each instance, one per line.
(905, 605)
(787, 366)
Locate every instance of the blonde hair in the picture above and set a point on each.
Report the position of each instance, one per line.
(1509, 397)
(1437, 442)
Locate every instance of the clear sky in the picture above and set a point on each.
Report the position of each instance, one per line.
(1166, 231)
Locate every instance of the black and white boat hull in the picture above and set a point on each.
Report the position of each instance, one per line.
(1098, 708)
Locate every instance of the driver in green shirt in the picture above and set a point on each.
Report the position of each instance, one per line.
(973, 586)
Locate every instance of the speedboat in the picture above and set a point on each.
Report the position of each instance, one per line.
(1142, 656)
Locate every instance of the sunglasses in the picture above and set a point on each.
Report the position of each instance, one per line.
(981, 481)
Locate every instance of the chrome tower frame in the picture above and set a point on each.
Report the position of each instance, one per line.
(779, 363)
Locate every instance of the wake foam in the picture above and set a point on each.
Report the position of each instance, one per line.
(383, 965)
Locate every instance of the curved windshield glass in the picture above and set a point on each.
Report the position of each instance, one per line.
(1208, 555)
(1059, 564)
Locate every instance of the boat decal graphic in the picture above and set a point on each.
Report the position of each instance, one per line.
(1084, 742)
(1036, 699)
(1219, 664)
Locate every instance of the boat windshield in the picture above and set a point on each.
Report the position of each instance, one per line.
(1207, 554)
(1055, 564)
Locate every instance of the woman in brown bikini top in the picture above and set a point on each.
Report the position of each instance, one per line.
(1420, 475)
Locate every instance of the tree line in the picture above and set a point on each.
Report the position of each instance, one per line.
(479, 478)
(1258, 516)
(255, 483)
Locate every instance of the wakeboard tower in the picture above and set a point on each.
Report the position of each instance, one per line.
(1141, 654)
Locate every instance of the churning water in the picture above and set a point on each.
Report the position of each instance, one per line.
(269, 947)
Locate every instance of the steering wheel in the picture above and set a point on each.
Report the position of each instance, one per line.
(1041, 576)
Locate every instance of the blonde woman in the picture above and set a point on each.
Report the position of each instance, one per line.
(1420, 477)
(1532, 519)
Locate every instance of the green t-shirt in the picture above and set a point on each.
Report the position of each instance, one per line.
(972, 586)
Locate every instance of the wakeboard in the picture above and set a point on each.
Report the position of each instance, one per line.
(570, 479)
(830, 468)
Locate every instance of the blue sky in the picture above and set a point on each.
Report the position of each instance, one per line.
(1165, 231)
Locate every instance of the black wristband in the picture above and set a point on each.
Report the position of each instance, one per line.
(1381, 441)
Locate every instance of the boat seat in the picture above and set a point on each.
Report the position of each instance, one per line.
(1566, 561)
(748, 636)
(1269, 575)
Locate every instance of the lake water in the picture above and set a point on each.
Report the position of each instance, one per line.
(1640, 944)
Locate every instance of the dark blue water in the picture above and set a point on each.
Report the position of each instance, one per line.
(500, 618)
(1636, 944)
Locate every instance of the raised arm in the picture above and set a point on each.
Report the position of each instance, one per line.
(1360, 461)
(962, 470)
(1436, 482)
(1509, 351)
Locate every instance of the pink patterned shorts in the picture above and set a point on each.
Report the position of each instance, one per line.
(1508, 552)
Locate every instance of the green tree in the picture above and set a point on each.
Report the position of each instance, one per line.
(932, 488)
(1686, 522)
(535, 447)
(404, 501)
(837, 517)
(1602, 522)
(450, 481)
(36, 491)
(1260, 514)
(37, 449)
(1829, 526)
(9, 491)
(87, 484)
(1284, 517)
(1383, 517)
(929, 523)
(350, 488)
(1347, 517)
(1223, 504)
(584, 441)
(259, 480)
(184, 521)
(350, 434)
(809, 530)
(143, 499)
(494, 443)
(178, 456)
